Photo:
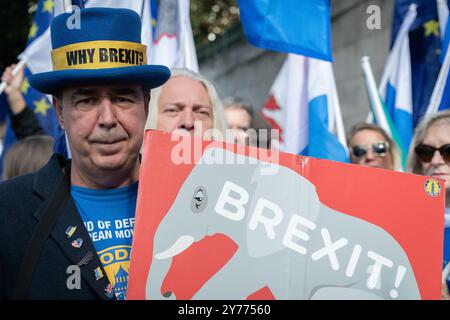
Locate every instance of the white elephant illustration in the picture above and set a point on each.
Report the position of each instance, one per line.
(287, 239)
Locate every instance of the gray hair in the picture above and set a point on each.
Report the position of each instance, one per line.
(414, 163)
(217, 108)
(394, 150)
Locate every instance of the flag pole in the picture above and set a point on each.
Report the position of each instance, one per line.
(142, 8)
(374, 97)
(442, 16)
(379, 111)
(15, 71)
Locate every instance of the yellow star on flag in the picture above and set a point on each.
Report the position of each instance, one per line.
(33, 30)
(48, 6)
(41, 106)
(24, 86)
(431, 28)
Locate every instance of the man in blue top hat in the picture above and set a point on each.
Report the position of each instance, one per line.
(66, 231)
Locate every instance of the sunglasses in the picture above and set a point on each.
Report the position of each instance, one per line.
(379, 148)
(426, 152)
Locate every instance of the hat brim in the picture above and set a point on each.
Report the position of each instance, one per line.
(151, 76)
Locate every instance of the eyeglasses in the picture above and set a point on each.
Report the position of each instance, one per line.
(426, 152)
(379, 148)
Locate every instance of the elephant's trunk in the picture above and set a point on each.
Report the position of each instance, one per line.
(156, 276)
(160, 267)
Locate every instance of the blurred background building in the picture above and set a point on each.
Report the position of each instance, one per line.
(239, 69)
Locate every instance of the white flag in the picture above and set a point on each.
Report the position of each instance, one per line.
(173, 45)
(304, 105)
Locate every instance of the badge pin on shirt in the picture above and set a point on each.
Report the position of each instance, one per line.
(70, 231)
(109, 291)
(98, 273)
(77, 243)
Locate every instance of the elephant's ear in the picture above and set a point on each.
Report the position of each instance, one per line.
(280, 195)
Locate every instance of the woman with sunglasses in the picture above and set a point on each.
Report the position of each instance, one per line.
(369, 145)
(430, 155)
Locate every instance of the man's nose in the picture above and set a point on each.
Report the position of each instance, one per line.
(186, 120)
(107, 116)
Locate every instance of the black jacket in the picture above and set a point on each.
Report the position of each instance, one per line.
(21, 202)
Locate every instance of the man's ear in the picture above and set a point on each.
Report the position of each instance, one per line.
(57, 103)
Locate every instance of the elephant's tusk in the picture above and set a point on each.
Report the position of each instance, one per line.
(179, 246)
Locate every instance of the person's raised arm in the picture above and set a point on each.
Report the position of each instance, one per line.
(15, 98)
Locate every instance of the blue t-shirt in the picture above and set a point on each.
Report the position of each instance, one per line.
(109, 218)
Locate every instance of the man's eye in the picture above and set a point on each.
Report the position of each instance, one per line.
(123, 100)
(204, 112)
(87, 101)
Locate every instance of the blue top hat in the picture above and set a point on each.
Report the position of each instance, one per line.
(104, 47)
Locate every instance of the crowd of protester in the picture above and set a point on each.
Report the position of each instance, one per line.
(188, 103)
(188, 99)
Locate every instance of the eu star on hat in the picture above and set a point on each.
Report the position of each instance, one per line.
(105, 49)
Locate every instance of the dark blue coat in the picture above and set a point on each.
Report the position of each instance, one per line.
(21, 202)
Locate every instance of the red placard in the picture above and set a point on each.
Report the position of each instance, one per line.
(212, 227)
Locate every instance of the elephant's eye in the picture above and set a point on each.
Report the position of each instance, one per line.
(199, 200)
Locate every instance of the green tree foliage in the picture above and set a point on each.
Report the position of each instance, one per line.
(211, 18)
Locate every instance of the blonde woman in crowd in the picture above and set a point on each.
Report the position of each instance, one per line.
(369, 145)
(430, 155)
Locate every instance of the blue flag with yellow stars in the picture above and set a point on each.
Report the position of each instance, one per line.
(35, 100)
(425, 47)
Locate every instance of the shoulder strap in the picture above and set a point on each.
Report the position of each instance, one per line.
(52, 210)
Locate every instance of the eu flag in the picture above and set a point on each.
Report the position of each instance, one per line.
(290, 26)
(425, 47)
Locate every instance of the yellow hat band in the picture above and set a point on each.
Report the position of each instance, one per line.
(99, 55)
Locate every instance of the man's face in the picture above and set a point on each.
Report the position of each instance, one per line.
(239, 121)
(369, 140)
(104, 125)
(184, 107)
